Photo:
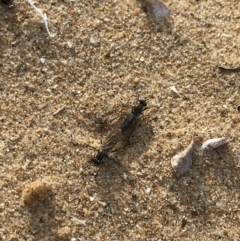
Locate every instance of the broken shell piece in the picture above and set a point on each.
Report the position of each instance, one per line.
(213, 143)
(182, 161)
(157, 9)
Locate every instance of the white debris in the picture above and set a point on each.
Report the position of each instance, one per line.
(213, 143)
(148, 190)
(42, 60)
(69, 44)
(173, 88)
(78, 221)
(43, 16)
(182, 161)
(125, 176)
(93, 40)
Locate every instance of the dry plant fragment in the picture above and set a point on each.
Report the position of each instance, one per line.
(213, 143)
(229, 70)
(35, 191)
(59, 110)
(182, 161)
(43, 16)
(174, 90)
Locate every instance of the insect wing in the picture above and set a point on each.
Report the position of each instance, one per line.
(112, 140)
(127, 122)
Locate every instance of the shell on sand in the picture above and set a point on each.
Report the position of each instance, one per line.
(156, 8)
(182, 161)
(213, 143)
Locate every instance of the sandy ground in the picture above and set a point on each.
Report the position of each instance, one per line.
(106, 55)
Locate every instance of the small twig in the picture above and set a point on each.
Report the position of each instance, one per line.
(78, 221)
(59, 110)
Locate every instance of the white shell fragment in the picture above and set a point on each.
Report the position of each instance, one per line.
(213, 143)
(182, 161)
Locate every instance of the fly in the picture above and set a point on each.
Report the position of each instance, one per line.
(125, 130)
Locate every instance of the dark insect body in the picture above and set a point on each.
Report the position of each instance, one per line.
(106, 147)
(98, 159)
(130, 121)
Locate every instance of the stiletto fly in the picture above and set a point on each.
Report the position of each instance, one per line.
(125, 130)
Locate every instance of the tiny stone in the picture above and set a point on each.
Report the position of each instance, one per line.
(220, 203)
(42, 60)
(125, 176)
(64, 62)
(93, 40)
(148, 190)
(69, 44)
(44, 70)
